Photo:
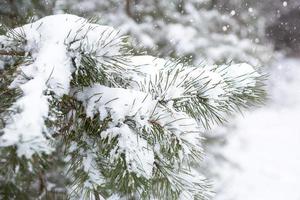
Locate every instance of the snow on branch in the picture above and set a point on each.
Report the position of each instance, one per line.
(206, 93)
(130, 123)
(49, 70)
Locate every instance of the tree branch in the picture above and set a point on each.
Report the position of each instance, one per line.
(12, 53)
(128, 8)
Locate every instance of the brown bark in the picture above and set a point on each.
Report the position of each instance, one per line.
(128, 8)
(12, 53)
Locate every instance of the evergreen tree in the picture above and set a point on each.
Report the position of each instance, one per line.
(14, 12)
(203, 31)
(81, 114)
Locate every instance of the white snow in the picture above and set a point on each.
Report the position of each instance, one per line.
(27, 127)
(157, 83)
(139, 155)
(183, 38)
(284, 4)
(119, 103)
(47, 41)
(264, 149)
(224, 28)
(239, 71)
(90, 166)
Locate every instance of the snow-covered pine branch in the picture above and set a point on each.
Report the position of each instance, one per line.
(129, 126)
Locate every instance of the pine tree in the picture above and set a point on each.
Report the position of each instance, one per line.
(81, 113)
(206, 31)
(14, 12)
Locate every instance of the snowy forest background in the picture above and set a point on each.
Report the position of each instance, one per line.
(255, 156)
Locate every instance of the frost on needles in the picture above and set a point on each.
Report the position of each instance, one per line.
(124, 126)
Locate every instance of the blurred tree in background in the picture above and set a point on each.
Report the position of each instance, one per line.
(202, 31)
(14, 12)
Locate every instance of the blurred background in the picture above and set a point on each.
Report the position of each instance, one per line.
(255, 156)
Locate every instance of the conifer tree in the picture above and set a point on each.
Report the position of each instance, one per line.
(81, 114)
(202, 31)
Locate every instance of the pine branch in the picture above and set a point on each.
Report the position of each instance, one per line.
(128, 125)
